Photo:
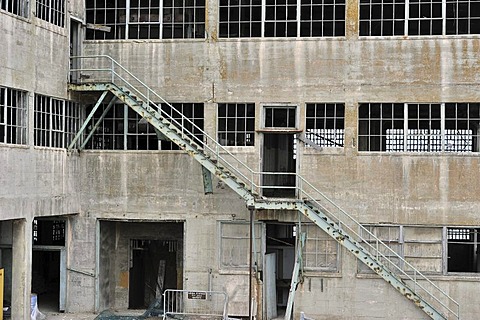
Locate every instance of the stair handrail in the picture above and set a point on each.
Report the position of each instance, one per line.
(377, 241)
(301, 193)
(218, 149)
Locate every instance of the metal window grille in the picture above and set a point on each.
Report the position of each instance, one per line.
(320, 252)
(450, 127)
(42, 121)
(463, 17)
(419, 17)
(287, 18)
(17, 7)
(123, 129)
(240, 18)
(236, 124)
(145, 19)
(325, 124)
(52, 11)
(73, 115)
(235, 243)
(13, 116)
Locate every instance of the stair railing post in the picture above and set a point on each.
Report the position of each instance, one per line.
(112, 70)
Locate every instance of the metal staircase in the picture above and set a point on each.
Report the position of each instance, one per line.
(103, 74)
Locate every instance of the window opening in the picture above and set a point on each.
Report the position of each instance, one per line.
(419, 17)
(281, 18)
(146, 19)
(235, 244)
(320, 252)
(17, 7)
(48, 232)
(325, 124)
(52, 11)
(55, 121)
(462, 249)
(450, 127)
(236, 124)
(13, 116)
(280, 117)
(123, 129)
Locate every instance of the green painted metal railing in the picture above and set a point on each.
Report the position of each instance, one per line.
(104, 69)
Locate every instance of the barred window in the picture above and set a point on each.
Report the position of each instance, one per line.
(320, 252)
(13, 116)
(124, 129)
(235, 244)
(17, 7)
(286, 18)
(236, 124)
(419, 17)
(325, 124)
(462, 246)
(52, 11)
(55, 121)
(397, 127)
(145, 19)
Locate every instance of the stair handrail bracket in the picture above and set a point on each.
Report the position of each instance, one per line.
(343, 227)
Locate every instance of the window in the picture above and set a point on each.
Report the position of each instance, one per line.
(124, 129)
(145, 19)
(18, 7)
(13, 116)
(398, 127)
(52, 11)
(320, 252)
(280, 117)
(56, 121)
(281, 18)
(421, 247)
(419, 17)
(236, 124)
(235, 244)
(463, 248)
(325, 124)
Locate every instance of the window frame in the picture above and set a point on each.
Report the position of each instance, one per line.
(416, 17)
(228, 123)
(324, 128)
(13, 116)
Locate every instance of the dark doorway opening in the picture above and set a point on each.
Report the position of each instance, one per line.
(46, 279)
(280, 241)
(153, 269)
(279, 157)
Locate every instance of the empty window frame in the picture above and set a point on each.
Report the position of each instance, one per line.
(398, 127)
(123, 129)
(236, 124)
(17, 7)
(13, 116)
(320, 252)
(146, 19)
(463, 247)
(420, 247)
(280, 116)
(419, 17)
(325, 124)
(281, 18)
(55, 121)
(235, 244)
(52, 11)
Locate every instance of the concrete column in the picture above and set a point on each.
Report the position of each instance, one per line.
(21, 268)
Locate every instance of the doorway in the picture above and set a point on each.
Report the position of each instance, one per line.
(153, 269)
(49, 264)
(280, 260)
(75, 48)
(279, 157)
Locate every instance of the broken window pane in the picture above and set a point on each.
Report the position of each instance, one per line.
(462, 250)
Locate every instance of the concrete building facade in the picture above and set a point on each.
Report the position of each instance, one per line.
(375, 104)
